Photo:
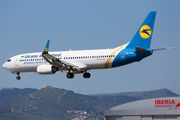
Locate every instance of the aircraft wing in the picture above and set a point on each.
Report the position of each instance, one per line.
(61, 63)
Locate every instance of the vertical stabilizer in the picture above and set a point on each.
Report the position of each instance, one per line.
(143, 36)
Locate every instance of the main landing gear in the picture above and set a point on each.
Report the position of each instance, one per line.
(86, 75)
(70, 75)
(18, 77)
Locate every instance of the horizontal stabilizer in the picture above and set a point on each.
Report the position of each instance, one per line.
(163, 48)
(141, 50)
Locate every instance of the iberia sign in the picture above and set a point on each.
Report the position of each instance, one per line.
(166, 103)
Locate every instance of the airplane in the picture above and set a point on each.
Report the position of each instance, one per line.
(80, 61)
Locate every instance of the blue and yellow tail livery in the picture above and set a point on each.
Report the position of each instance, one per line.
(143, 36)
(139, 47)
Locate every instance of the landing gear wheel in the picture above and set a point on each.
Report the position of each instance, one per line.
(18, 77)
(86, 75)
(70, 75)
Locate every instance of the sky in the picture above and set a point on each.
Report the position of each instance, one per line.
(25, 27)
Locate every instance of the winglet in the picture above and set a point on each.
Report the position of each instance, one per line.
(46, 48)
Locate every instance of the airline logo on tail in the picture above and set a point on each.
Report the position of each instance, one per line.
(46, 49)
(145, 31)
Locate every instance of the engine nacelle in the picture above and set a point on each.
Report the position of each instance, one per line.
(46, 69)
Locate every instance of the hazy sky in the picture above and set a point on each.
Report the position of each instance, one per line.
(25, 26)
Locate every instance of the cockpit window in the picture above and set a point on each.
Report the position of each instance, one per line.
(9, 60)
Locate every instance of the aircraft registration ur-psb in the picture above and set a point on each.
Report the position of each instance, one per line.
(81, 61)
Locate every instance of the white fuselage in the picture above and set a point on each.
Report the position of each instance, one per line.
(93, 59)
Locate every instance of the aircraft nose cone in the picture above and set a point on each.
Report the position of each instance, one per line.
(4, 65)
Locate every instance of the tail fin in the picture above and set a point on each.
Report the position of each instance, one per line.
(143, 36)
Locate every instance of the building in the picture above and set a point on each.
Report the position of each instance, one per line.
(165, 108)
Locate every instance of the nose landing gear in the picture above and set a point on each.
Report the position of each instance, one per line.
(18, 77)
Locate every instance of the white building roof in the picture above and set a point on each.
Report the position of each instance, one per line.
(164, 103)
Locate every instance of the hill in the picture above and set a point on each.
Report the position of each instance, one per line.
(8, 93)
(124, 97)
(52, 103)
(151, 94)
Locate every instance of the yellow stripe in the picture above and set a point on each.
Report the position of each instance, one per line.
(109, 58)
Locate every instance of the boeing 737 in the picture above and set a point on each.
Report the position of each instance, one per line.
(77, 62)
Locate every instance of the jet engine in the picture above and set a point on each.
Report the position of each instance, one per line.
(46, 69)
